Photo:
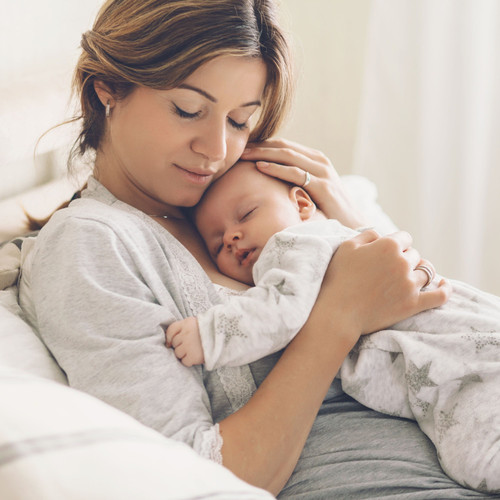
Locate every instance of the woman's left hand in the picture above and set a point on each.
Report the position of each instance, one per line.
(310, 169)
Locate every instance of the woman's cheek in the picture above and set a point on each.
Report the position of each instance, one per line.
(237, 149)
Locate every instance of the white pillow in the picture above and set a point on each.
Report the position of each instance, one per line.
(364, 195)
(20, 347)
(57, 443)
(10, 260)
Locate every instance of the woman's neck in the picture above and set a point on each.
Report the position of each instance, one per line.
(125, 189)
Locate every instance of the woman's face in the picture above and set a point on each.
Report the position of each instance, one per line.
(164, 147)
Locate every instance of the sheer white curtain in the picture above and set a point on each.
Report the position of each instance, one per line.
(429, 129)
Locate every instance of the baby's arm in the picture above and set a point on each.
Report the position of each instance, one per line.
(263, 320)
(184, 337)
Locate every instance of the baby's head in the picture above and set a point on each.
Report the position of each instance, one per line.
(241, 211)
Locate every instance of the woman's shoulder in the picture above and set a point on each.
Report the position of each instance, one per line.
(90, 216)
(96, 206)
(98, 212)
(89, 227)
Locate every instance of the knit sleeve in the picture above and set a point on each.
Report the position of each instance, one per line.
(101, 305)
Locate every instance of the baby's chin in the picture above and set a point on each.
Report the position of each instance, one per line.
(244, 277)
(249, 281)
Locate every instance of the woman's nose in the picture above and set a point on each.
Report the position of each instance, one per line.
(211, 141)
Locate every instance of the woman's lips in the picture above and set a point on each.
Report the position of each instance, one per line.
(195, 177)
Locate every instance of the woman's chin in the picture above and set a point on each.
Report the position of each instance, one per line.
(191, 200)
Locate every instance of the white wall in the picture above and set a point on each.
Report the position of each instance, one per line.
(39, 41)
(330, 38)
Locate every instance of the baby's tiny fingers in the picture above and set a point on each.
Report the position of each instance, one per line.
(187, 361)
(172, 330)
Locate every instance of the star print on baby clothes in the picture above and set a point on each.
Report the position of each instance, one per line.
(357, 387)
(482, 339)
(282, 245)
(466, 380)
(444, 421)
(229, 328)
(419, 377)
(422, 405)
(283, 289)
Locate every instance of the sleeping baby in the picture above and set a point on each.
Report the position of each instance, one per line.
(440, 367)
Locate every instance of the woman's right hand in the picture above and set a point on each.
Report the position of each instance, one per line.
(373, 281)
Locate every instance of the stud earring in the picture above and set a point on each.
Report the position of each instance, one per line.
(108, 109)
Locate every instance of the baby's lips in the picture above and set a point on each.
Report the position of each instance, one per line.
(246, 256)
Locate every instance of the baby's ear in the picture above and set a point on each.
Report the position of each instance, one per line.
(303, 202)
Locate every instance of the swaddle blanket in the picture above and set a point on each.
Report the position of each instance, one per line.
(440, 367)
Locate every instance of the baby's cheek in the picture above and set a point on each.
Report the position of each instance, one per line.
(225, 266)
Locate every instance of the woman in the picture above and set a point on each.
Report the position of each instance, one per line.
(171, 91)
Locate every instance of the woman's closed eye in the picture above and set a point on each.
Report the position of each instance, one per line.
(185, 114)
(236, 125)
(191, 116)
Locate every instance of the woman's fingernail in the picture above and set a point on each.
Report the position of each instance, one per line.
(262, 164)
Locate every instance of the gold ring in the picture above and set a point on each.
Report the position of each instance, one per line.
(427, 270)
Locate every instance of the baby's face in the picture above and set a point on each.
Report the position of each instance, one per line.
(239, 214)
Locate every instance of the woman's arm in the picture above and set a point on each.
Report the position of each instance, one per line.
(370, 284)
(290, 161)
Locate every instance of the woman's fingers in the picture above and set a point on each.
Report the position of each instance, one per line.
(429, 299)
(294, 175)
(293, 162)
(412, 256)
(425, 271)
(278, 149)
(403, 239)
(379, 282)
(294, 159)
(367, 236)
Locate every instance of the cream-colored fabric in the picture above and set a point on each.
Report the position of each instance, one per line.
(58, 443)
(10, 259)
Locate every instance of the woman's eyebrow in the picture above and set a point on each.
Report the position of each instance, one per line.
(212, 98)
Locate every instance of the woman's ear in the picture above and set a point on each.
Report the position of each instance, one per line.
(303, 202)
(104, 93)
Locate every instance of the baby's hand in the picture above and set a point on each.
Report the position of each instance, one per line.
(184, 337)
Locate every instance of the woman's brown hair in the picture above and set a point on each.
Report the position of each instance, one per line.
(159, 43)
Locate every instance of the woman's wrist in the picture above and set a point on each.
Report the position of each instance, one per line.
(334, 321)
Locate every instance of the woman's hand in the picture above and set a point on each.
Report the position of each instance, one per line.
(292, 162)
(374, 281)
